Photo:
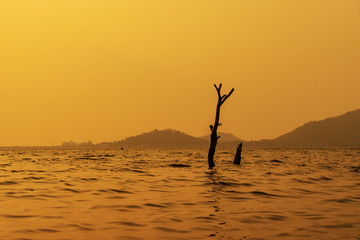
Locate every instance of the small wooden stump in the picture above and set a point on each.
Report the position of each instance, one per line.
(237, 159)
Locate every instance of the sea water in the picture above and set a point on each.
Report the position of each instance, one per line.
(171, 194)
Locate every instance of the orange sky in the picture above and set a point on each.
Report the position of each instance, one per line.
(103, 70)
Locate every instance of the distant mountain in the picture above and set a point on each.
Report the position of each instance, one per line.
(341, 131)
(168, 138)
(224, 137)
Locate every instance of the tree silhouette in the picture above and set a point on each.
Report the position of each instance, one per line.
(214, 137)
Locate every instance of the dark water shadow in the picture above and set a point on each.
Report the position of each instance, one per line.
(217, 185)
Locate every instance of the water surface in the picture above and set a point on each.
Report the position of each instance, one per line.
(170, 194)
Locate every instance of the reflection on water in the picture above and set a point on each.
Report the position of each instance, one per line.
(170, 194)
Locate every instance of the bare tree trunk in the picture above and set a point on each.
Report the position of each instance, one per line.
(214, 137)
(237, 159)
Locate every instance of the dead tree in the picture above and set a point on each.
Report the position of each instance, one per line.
(214, 137)
(237, 159)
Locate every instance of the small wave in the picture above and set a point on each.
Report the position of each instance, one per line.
(28, 196)
(79, 227)
(283, 235)
(355, 168)
(8, 183)
(19, 216)
(140, 162)
(132, 224)
(260, 193)
(85, 158)
(5, 165)
(120, 191)
(227, 183)
(134, 170)
(155, 205)
(276, 161)
(49, 230)
(176, 152)
(246, 184)
(128, 238)
(70, 190)
(23, 239)
(301, 180)
(176, 220)
(37, 171)
(179, 165)
(71, 169)
(236, 198)
(103, 190)
(234, 191)
(25, 231)
(106, 206)
(277, 217)
(207, 218)
(181, 179)
(52, 217)
(341, 225)
(165, 229)
(89, 179)
(323, 178)
(188, 204)
(33, 178)
(304, 190)
(341, 200)
(115, 197)
(326, 167)
(150, 175)
(91, 158)
(226, 153)
(253, 219)
(132, 206)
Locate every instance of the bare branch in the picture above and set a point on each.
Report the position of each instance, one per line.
(226, 96)
(218, 90)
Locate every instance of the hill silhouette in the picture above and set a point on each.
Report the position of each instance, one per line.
(168, 138)
(340, 131)
(224, 137)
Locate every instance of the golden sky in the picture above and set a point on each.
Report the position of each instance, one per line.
(103, 70)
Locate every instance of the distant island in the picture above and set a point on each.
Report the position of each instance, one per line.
(340, 131)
